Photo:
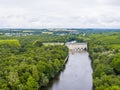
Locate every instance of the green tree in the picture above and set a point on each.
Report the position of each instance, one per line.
(13, 80)
(35, 73)
(38, 43)
(32, 84)
(116, 64)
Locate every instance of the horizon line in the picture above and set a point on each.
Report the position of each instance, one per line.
(65, 28)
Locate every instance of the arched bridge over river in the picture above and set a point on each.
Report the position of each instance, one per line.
(77, 46)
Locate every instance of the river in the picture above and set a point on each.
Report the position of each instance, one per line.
(77, 74)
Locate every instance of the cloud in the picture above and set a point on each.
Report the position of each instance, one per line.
(59, 13)
(109, 2)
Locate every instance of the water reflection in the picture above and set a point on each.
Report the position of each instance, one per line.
(77, 74)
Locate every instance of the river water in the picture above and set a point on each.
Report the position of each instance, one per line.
(77, 74)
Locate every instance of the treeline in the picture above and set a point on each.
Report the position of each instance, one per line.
(42, 38)
(26, 64)
(104, 51)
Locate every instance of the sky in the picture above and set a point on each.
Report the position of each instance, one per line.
(59, 13)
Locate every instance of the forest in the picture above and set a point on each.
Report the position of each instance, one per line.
(27, 64)
(104, 50)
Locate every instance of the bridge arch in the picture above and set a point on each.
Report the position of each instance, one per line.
(77, 46)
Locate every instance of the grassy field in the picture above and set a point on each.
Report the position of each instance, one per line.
(13, 42)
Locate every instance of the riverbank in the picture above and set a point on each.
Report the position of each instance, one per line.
(66, 59)
(62, 68)
(105, 55)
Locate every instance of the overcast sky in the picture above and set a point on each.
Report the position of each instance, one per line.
(59, 13)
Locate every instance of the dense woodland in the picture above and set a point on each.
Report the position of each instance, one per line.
(104, 50)
(27, 64)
